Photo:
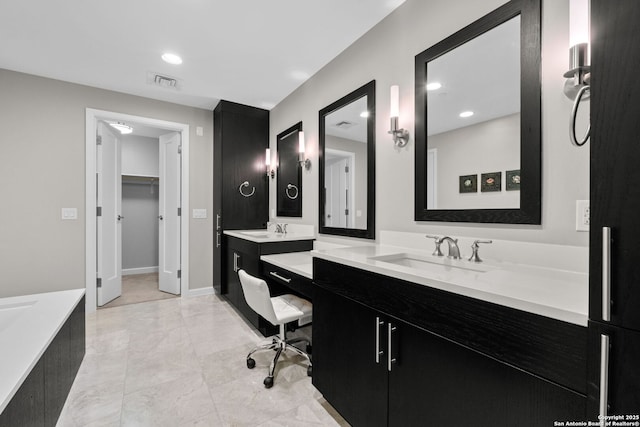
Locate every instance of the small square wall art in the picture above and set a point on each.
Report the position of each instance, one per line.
(512, 179)
(469, 183)
(491, 181)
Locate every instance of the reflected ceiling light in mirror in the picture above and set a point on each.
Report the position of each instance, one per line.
(267, 163)
(171, 58)
(304, 163)
(400, 136)
(122, 128)
(466, 114)
(433, 86)
(576, 87)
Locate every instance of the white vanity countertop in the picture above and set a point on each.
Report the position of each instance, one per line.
(297, 262)
(27, 325)
(550, 292)
(264, 236)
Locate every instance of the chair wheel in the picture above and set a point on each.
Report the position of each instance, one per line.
(309, 370)
(309, 348)
(251, 363)
(268, 382)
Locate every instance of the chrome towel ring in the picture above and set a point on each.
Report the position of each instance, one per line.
(246, 184)
(289, 187)
(574, 114)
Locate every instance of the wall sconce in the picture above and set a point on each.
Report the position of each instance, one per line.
(267, 163)
(576, 86)
(400, 136)
(304, 163)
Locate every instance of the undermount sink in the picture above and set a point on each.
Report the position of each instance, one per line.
(431, 263)
(257, 233)
(10, 312)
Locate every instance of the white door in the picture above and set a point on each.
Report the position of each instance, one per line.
(109, 222)
(337, 193)
(168, 217)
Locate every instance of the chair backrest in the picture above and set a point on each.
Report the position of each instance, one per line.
(256, 293)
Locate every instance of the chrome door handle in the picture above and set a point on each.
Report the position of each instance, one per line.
(606, 274)
(378, 351)
(604, 375)
(120, 217)
(284, 279)
(160, 217)
(390, 359)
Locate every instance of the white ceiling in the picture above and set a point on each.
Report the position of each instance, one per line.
(254, 52)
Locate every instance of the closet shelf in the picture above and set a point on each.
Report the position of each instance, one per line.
(139, 179)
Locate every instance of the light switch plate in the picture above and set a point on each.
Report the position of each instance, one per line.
(69, 213)
(200, 213)
(199, 131)
(582, 215)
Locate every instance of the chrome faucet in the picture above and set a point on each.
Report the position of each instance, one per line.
(454, 250)
(280, 228)
(474, 250)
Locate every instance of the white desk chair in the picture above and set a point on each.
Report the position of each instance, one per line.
(278, 311)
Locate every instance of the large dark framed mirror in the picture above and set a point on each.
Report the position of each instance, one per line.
(347, 165)
(289, 175)
(478, 121)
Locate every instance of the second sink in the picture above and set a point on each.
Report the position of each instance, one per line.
(430, 263)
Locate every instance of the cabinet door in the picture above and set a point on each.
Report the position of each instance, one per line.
(344, 359)
(620, 369)
(437, 382)
(615, 155)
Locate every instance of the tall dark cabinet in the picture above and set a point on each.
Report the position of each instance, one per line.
(614, 270)
(240, 187)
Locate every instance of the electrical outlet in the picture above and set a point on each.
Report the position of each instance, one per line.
(582, 215)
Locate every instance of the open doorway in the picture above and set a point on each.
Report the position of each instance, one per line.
(137, 185)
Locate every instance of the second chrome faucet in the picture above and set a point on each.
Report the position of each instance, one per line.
(454, 250)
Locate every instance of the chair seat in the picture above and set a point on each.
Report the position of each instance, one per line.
(289, 308)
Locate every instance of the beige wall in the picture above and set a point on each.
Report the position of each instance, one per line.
(386, 53)
(42, 169)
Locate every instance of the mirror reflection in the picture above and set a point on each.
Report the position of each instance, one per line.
(473, 122)
(347, 164)
(289, 176)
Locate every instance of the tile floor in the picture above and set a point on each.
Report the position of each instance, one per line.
(181, 362)
(138, 288)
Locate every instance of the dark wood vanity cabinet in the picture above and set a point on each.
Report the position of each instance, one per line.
(453, 361)
(241, 135)
(244, 254)
(614, 270)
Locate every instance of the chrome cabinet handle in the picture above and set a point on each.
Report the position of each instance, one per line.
(604, 375)
(236, 257)
(606, 274)
(378, 351)
(390, 359)
(284, 279)
(217, 240)
(217, 221)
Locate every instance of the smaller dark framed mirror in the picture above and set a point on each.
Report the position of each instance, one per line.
(347, 165)
(289, 175)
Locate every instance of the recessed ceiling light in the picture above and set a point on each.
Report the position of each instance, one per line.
(433, 86)
(364, 114)
(124, 129)
(465, 114)
(171, 58)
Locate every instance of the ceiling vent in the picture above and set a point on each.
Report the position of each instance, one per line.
(344, 124)
(163, 81)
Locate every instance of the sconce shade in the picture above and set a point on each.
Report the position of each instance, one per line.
(267, 157)
(301, 142)
(395, 101)
(578, 22)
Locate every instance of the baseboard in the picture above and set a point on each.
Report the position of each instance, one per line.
(140, 270)
(200, 291)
